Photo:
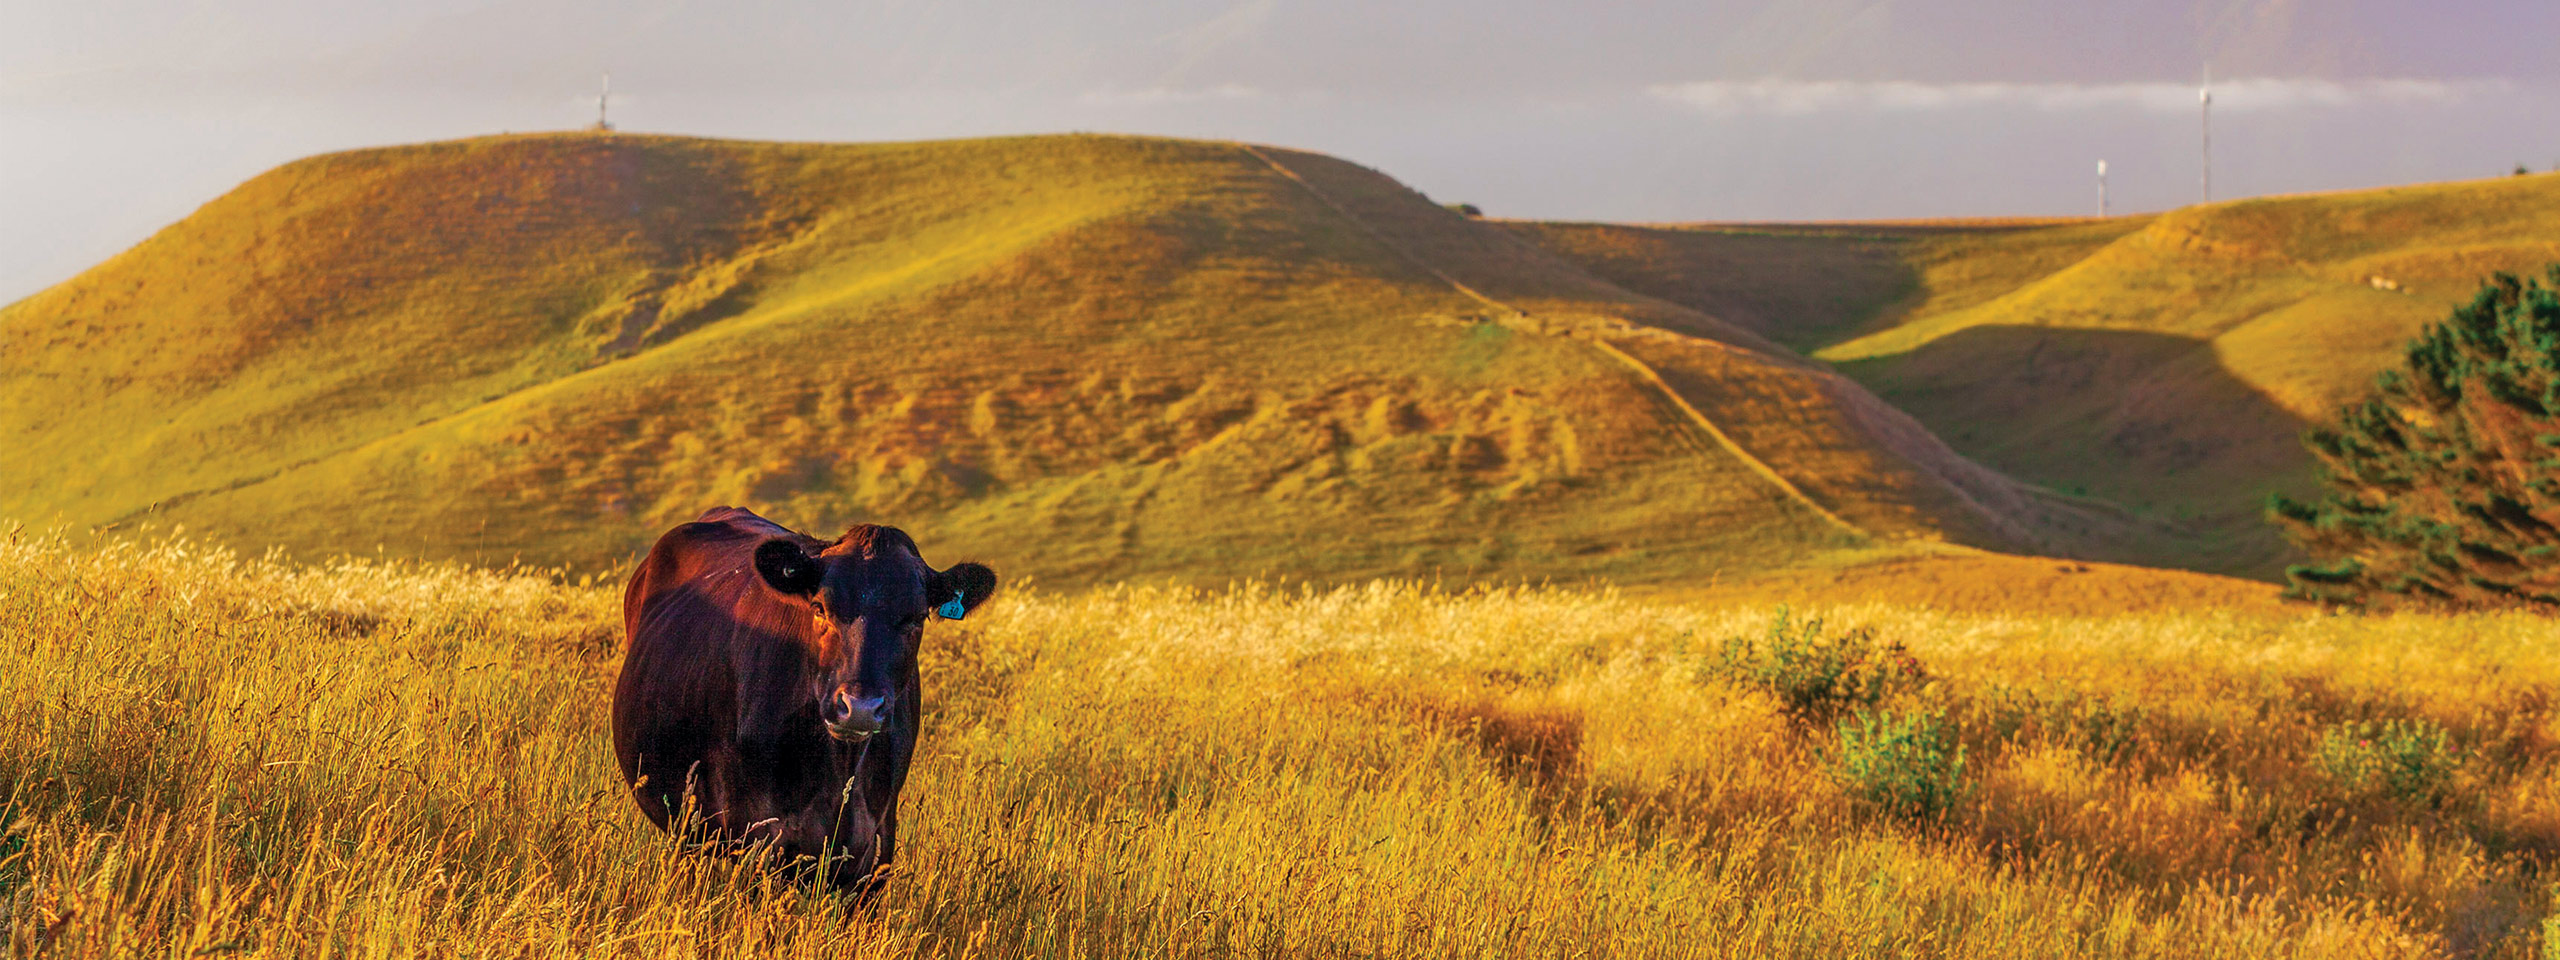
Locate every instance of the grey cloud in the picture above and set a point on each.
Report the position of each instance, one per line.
(1800, 97)
(1633, 109)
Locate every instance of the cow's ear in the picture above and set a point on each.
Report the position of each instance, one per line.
(962, 588)
(787, 568)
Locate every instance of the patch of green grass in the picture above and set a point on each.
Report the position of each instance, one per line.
(2405, 760)
(1906, 762)
(1817, 673)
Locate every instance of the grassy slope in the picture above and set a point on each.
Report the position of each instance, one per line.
(1988, 584)
(1093, 357)
(2163, 362)
(1370, 771)
(1833, 441)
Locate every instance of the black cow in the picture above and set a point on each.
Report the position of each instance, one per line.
(768, 691)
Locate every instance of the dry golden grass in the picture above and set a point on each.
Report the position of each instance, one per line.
(217, 756)
(2167, 363)
(1162, 359)
(1957, 580)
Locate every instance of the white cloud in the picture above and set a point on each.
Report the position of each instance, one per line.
(1800, 97)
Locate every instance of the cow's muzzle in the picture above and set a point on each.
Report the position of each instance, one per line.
(851, 718)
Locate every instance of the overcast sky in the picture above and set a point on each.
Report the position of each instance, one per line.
(118, 117)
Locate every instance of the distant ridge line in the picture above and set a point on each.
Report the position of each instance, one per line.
(1647, 373)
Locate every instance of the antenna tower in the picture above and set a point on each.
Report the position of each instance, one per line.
(2102, 189)
(602, 94)
(2204, 105)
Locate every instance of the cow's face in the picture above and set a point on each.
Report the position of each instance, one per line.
(871, 595)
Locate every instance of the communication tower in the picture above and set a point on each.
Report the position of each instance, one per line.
(2204, 106)
(602, 94)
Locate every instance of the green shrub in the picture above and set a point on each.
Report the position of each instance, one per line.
(2443, 486)
(2401, 759)
(2100, 728)
(1817, 675)
(1908, 763)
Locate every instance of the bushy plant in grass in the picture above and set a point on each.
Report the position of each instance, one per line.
(449, 788)
(2100, 728)
(1817, 674)
(2444, 485)
(2408, 760)
(1907, 762)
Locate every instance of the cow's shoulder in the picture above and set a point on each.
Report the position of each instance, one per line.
(722, 530)
(710, 561)
(730, 523)
(735, 515)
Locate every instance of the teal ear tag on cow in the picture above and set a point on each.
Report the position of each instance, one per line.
(953, 610)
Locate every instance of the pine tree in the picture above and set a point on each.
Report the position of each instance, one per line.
(2443, 487)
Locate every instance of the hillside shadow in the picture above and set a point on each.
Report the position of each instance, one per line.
(1797, 289)
(2151, 421)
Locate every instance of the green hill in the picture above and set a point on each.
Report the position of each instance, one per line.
(2166, 363)
(1087, 356)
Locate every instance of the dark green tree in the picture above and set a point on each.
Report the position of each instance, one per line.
(2443, 486)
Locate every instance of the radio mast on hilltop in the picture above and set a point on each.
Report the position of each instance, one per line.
(2102, 189)
(602, 94)
(2204, 106)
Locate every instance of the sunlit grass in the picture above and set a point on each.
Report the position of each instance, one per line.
(211, 755)
(2166, 362)
(1160, 358)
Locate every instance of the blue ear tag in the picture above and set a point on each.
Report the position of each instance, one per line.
(953, 610)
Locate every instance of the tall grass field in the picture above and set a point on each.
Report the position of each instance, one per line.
(209, 755)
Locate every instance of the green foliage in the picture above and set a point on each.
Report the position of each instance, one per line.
(2407, 760)
(1467, 210)
(12, 846)
(1909, 763)
(2442, 485)
(1814, 673)
(2100, 728)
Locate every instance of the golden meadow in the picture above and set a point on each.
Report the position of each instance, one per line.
(210, 755)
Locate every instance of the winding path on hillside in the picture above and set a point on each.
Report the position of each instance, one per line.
(1642, 371)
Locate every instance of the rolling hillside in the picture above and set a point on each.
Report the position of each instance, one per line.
(1090, 356)
(2166, 363)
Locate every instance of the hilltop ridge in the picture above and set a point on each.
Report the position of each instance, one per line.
(1104, 356)
(2166, 362)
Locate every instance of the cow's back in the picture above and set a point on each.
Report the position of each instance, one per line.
(690, 607)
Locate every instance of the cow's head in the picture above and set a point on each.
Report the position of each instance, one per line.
(871, 593)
